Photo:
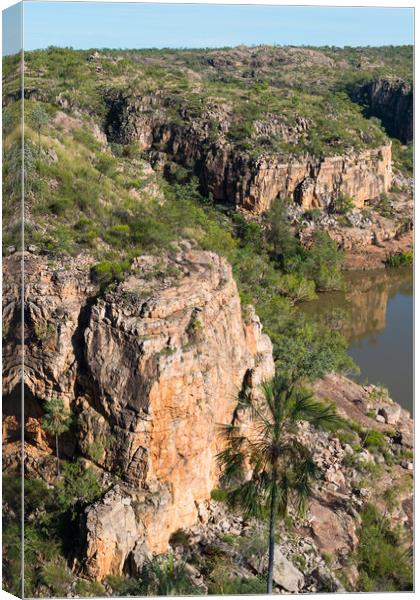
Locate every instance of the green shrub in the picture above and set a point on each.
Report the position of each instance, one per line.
(299, 560)
(384, 206)
(347, 437)
(370, 468)
(57, 576)
(221, 582)
(324, 263)
(89, 589)
(105, 164)
(166, 576)
(343, 204)
(312, 214)
(374, 439)
(297, 287)
(349, 460)
(96, 450)
(399, 259)
(382, 562)
(279, 234)
(248, 232)
(79, 486)
(403, 157)
(230, 539)
(124, 586)
(107, 272)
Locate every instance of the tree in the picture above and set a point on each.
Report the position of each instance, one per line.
(39, 119)
(56, 421)
(324, 262)
(307, 350)
(279, 233)
(265, 466)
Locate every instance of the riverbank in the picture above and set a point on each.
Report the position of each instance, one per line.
(375, 256)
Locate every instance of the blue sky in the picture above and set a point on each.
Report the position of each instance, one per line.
(98, 25)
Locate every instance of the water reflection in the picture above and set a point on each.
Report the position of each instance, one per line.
(375, 313)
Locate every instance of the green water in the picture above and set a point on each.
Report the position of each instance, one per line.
(375, 313)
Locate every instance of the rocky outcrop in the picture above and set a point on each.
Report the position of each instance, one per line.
(168, 355)
(355, 402)
(151, 368)
(234, 176)
(55, 297)
(392, 102)
(317, 181)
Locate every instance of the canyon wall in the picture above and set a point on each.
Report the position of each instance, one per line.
(234, 176)
(391, 100)
(150, 369)
(312, 182)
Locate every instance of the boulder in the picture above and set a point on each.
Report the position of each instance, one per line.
(111, 533)
(391, 413)
(285, 574)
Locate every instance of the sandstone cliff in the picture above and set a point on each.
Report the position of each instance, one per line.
(150, 368)
(234, 175)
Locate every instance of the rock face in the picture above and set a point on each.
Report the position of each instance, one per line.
(234, 176)
(54, 302)
(310, 181)
(151, 368)
(392, 102)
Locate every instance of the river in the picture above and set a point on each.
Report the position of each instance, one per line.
(375, 313)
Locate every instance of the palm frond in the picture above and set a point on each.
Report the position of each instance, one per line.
(232, 464)
(307, 408)
(251, 496)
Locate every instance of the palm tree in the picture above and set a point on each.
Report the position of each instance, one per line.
(56, 421)
(264, 465)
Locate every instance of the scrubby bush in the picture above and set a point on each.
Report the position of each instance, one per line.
(108, 272)
(343, 204)
(324, 263)
(57, 577)
(307, 351)
(166, 576)
(297, 287)
(222, 582)
(399, 259)
(384, 206)
(374, 440)
(383, 563)
(89, 589)
(124, 586)
(279, 235)
(79, 486)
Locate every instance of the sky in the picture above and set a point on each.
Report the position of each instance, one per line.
(100, 25)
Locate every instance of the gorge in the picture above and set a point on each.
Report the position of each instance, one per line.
(193, 221)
